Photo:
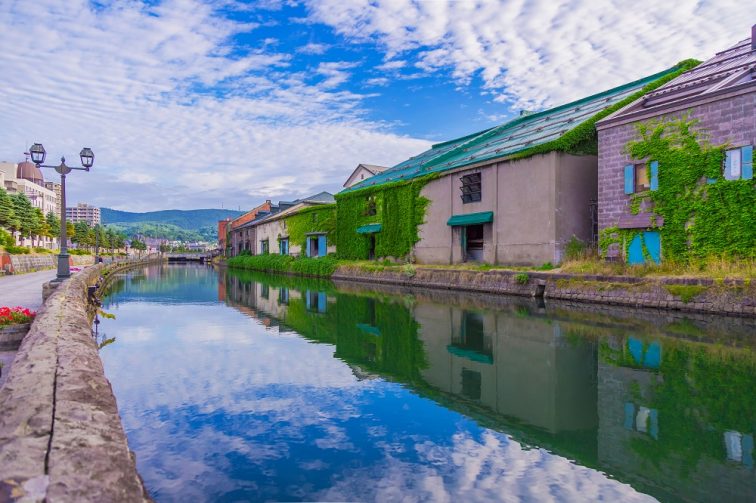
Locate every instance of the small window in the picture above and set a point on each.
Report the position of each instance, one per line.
(738, 163)
(264, 247)
(642, 180)
(371, 208)
(471, 188)
(314, 217)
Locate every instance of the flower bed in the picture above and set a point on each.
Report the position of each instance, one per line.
(15, 315)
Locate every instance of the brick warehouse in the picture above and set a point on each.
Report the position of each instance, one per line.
(720, 93)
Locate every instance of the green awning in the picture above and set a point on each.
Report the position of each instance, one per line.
(471, 218)
(470, 354)
(369, 329)
(369, 229)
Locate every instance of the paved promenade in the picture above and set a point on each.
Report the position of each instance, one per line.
(24, 290)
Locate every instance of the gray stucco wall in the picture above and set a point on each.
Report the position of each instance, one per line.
(538, 204)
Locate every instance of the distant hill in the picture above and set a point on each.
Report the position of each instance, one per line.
(183, 225)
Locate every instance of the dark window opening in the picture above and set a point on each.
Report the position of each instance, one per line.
(471, 188)
(471, 384)
(642, 181)
(473, 242)
(283, 296)
(371, 207)
(371, 247)
(264, 291)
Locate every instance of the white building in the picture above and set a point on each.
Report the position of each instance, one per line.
(83, 212)
(26, 178)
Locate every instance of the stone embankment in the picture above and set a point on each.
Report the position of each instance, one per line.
(733, 297)
(61, 437)
(18, 264)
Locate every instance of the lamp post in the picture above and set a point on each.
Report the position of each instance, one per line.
(38, 154)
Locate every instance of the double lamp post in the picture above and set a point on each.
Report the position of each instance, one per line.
(38, 154)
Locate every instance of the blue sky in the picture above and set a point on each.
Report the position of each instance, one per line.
(192, 104)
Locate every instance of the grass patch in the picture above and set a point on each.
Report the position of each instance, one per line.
(716, 267)
(685, 292)
(522, 278)
(321, 267)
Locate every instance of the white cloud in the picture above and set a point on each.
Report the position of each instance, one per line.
(175, 117)
(535, 53)
(313, 48)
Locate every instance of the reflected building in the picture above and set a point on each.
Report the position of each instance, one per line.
(653, 411)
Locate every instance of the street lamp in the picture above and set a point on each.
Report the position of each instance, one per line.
(38, 154)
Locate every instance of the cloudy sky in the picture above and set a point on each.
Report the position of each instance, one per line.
(192, 104)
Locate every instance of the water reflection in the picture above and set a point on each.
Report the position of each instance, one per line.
(430, 396)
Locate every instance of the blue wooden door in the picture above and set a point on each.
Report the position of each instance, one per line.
(322, 249)
(652, 241)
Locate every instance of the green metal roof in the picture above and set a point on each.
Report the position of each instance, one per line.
(471, 218)
(502, 141)
(369, 229)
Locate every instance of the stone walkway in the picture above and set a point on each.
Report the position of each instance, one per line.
(24, 290)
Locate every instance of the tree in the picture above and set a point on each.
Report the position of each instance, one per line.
(138, 245)
(25, 213)
(54, 223)
(80, 234)
(40, 228)
(8, 217)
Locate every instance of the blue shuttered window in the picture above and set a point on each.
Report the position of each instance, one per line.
(654, 174)
(307, 246)
(629, 179)
(747, 153)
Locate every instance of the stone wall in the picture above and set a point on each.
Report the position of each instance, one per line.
(733, 297)
(29, 263)
(61, 437)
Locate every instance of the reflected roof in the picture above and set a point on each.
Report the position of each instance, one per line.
(510, 138)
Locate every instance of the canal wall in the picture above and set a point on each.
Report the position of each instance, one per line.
(19, 264)
(703, 295)
(61, 437)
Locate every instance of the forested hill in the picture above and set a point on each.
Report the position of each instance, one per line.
(186, 219)
(183, 225)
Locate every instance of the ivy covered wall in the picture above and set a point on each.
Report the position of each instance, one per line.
(703, 213)
(398, 207)
(321, 218)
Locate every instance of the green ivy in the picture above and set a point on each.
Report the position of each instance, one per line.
(321, 218)
(399, 208)
(700, 219)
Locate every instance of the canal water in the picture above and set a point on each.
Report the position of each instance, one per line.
(239, 386)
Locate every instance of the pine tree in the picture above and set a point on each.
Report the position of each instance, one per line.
(7, 214)
(54, 222)
(25, 214)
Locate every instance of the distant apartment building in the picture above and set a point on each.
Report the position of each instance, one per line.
(83, 212)
(55, 187)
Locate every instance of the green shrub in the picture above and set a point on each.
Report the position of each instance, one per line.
(322, 266)
(522, 278)
(17, 250)
(545, 267)
(6, 239)
(575, 249)
(79, 251)
(39, 249)
(409, 270)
